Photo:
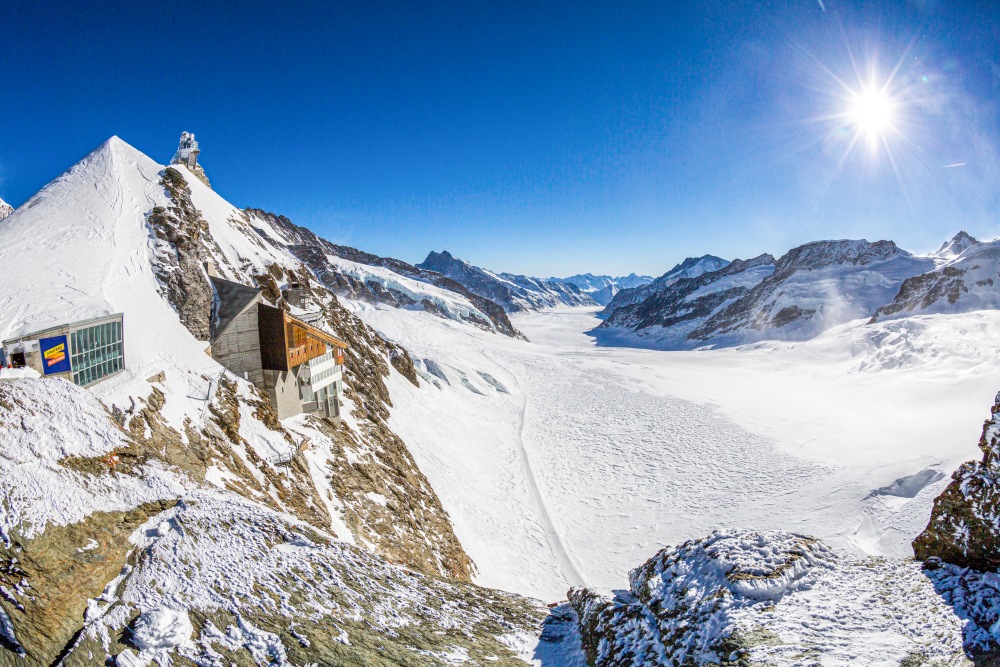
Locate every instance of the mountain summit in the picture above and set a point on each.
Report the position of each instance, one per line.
(187, 155)
(5, 209)
(956, 246)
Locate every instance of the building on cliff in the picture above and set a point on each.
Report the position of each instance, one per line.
(187, 155)
(298, 365)
(83, 352)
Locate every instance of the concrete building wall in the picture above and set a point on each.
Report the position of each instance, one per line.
(238, 348)
(283, 388)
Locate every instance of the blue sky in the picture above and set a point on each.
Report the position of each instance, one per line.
(540, 138)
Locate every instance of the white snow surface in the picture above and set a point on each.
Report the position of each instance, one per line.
(50, 421)
(594, 458)
(162, 628)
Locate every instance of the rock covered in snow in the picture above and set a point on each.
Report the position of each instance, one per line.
(5, 209)
(161, 628)
(964, 526)
(768, 598)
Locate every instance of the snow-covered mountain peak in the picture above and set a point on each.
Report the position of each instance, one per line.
(954, 247)
(187, 155)
(820, 254)
(692, 267)
(5, 209)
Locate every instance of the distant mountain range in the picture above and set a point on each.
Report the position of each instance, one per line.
(604, 288)
(514, 293)
(809, 289)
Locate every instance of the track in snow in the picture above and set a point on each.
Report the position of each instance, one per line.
(570, 570)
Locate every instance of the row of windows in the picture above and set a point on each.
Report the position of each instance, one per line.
(96, 336)
(92, 374)
(97, 352)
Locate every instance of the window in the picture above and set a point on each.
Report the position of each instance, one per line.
(97, 352)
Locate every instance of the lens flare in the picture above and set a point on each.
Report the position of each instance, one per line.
(871, 111)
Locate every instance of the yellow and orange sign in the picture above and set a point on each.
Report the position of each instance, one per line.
(54, 355)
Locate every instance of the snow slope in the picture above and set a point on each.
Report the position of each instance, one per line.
(591, 458)
(969, 280)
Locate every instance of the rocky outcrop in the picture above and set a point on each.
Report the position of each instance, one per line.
(742, 598)
(388, 502)
(5, 209)
(964, 526)
(181, 231)
(109, 475)
(513, 292)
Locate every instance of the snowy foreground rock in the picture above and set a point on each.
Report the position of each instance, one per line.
(115, 548)
(770, 598)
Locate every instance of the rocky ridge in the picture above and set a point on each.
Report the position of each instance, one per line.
(692, 300)
(5, 209)
(964, 527)
(966, 281)
(117, 527)
(692, 267)
(768, 598)
(315, 252)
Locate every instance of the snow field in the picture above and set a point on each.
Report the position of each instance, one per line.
(635, 449)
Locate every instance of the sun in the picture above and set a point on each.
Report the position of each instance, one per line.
(872, 112)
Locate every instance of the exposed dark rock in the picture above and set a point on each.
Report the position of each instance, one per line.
(673, 304)
(964, 526)
(179, 256)
(691, 267)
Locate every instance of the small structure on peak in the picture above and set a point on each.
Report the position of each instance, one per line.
(187, 155)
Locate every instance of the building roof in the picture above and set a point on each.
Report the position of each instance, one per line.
(233, 299)
(316, 332)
